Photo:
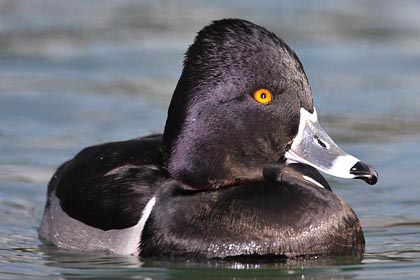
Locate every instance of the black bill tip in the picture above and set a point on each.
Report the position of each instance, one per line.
(364, 172)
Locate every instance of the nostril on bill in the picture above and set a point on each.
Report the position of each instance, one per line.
(320, 142)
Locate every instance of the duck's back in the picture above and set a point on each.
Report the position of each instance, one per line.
(99, 197)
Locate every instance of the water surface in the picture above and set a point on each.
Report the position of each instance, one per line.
(84, 72)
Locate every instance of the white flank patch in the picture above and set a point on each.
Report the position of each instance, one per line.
(146, 214)
(65, 232)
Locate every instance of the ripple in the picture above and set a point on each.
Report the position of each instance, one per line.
(373, 128)
(28, 174)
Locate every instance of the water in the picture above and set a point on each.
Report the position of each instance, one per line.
(84, 72)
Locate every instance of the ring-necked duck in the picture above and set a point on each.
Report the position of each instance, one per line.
(234, 173)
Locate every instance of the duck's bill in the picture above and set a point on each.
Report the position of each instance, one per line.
(314, 147)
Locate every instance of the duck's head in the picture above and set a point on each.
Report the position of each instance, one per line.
(243, 102)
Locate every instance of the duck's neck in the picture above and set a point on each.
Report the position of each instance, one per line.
(210, 166)
(208, 156)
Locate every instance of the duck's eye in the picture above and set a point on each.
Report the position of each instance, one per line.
(263, 96)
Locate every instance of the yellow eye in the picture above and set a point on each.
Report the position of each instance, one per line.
(263, 96)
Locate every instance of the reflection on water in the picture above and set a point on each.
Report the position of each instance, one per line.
(83, 72)
(75, 265)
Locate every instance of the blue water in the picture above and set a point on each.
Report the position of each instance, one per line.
(79, 73)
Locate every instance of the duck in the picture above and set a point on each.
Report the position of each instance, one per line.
(236, 172)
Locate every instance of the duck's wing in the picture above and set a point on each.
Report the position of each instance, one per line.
(107, 186)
